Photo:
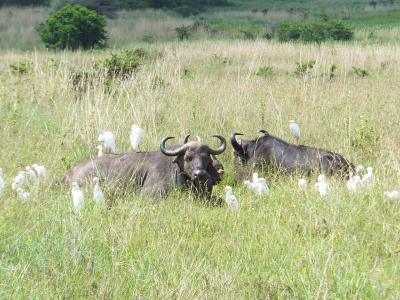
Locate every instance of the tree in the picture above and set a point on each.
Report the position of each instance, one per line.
(73, 27)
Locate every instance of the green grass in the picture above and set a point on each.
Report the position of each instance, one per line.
(289, 245)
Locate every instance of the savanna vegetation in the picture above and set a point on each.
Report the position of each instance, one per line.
(225, 76)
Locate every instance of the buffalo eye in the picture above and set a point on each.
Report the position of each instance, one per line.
(188, 158)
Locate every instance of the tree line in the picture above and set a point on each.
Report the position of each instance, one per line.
(108, 7)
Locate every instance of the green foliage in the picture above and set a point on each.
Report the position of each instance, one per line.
(102, 7)
(304, 68)
(316, 31)
(73, 27)
(248, 35)
(124, 63)
(366, 137)
(148, 38)
(182, 7)
(360, 72)
(20, 68)
(183, 32)
(264, 71)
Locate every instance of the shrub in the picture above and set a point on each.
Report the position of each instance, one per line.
(73, 27)
(332, 70)
(183, 32)
(360, 72)
(124, 63)
(316, 31)
(20, 68)
(303, 68)
(264, 71)
(366, 137)
(248, 35)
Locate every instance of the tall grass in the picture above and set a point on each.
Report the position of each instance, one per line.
(290, 245)
(18, 26)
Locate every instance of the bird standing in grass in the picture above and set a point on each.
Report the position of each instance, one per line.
(368, 179)
(31, 174)
(108, 141)
(258, 185)
(231, 200)
(40, 170)
(19, 180)
(302, 184)
(322, 186)
(2, 183)
(24, 196)
(98, 195)
(393, 195)
(77, 197)
(354, 184)
(360, 170)
(295, 129)
(136, 137)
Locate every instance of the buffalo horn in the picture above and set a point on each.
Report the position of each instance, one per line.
(170, 152)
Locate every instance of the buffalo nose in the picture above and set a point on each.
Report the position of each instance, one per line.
(200, 173)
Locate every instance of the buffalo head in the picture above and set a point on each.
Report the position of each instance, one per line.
(195, 161)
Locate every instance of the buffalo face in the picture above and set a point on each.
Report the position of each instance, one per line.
(241, 151)
(195, 162)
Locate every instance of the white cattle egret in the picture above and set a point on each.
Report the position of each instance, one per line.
(24, 196)
(98, 195)
(19, 180)
(231, 200)
(100, 150)
(77, 197)
(136, 136)
(322, 186)
(355, 184)
(31, 174)
(368, 179)
(108, 140)
(40, 170)
(360, 170)
(295, 129)
(393, 195)
(258, 185)
(302, 184)
(2, 183)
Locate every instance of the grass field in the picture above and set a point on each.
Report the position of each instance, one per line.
(289, 245)
(372, 26)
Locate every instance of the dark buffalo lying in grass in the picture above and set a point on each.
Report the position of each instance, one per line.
(188, 166)
(270, 151)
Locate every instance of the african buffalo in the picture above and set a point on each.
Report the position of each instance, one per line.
(270, 151)
(187, 166)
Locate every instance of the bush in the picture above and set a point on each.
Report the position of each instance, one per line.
(183, 32)
(264, 71)
(317, 31)
(366, 137)
(303, 68)
(360, 72)
(20, 68)
(73, 27)
(124, 63)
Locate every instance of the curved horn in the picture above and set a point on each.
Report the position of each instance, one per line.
(186, 139)
(235, 144)
(174, 152)
(221, 148)
(263, 131)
